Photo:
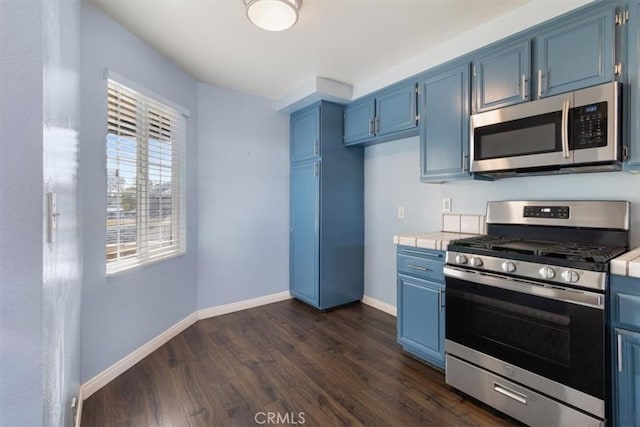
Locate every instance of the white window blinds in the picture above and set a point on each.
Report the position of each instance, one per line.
(145, 179)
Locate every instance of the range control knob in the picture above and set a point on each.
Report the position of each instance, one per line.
(508, 267)
(547, 273)
(570, 276)
(476, 262)
(461, 259)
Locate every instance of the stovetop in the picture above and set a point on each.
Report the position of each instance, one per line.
(569, 254)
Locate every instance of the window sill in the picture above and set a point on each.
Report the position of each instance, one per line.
(129, 267)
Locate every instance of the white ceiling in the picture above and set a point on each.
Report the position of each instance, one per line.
(345, 40)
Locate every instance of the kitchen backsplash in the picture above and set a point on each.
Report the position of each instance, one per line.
(464, 223)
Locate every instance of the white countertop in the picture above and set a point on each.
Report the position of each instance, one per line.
(438, 240)
(627, 264)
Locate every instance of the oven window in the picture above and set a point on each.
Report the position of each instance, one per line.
(542, 334)
(531, 135)
(558, 340)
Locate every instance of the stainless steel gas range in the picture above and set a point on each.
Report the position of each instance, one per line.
(526, 309)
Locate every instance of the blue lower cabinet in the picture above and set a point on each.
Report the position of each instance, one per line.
(625, 345)
(628, 378)
(421, 318)
(421, 303)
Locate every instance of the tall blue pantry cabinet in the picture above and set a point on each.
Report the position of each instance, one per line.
(327, 209)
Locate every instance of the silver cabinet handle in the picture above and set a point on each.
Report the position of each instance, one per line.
(523, 81)
(315, 169)
(465, 163)
(518, 397)
(371, 130)
(315, 147)
(417, 267)
(565, 128)
(539, 84)
(376, 127)
(619, 352)
(441, 300)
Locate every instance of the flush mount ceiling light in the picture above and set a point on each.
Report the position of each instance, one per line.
(273, 15)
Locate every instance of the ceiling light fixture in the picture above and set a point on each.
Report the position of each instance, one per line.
(273, 15)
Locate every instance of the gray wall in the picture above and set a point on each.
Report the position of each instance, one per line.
(40, 287)
(21, 394)
(391, 180)
(243, 197)
(62, 267)
(126, 310)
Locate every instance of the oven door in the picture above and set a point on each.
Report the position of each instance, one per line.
(525, 136)
(557, 334)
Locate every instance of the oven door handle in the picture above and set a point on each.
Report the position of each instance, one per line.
(573, 296)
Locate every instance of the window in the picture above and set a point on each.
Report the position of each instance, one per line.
(145, 179)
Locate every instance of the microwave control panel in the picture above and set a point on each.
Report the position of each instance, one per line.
(589, 126)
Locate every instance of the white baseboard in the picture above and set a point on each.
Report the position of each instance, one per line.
(109, 374)
(219, 310)
(380, 305)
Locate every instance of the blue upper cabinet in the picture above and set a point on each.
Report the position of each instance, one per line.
(389, 114)
(502, 76)
(444, 133)
(359, 121)
(396, 110)
(575, 53)
(569, 53)
(305, 134)
(632, 139)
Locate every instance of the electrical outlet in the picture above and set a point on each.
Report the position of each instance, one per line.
(400, 212)
(446, 205)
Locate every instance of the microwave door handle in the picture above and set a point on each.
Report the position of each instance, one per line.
(565, 129)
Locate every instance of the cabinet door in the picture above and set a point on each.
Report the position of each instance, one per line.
(576, 55)
(633, 140)
(421, 317)
(396, 110)
(444, 139)
(304, 240)
(628, 379)
(358, 121)
(305, 134)
(502, 77)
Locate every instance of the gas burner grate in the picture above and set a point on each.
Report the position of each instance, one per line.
(484, 242)
(583, 252)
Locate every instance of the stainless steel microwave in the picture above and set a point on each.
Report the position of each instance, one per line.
(573, 132)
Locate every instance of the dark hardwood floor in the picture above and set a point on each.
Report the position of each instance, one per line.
(342, 367)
